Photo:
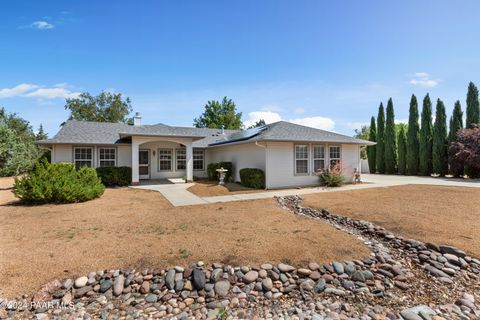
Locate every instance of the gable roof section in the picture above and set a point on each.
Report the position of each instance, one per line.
(88, 132)
(286, 131)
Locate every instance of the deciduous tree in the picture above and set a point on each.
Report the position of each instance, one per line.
(465, 151)
(218, 115)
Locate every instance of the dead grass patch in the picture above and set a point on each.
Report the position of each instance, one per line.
(138, 228)
(439, 214)
(205, 188)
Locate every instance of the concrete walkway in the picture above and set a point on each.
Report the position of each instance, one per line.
(178, 195)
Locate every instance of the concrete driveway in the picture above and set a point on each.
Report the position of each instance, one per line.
(394, 180)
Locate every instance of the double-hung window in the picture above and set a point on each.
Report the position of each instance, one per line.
(318, 158)
(335, 155)
(165, 159)
(181, 156)
(198, 159)
(301, 159)
(106, 157)
(83, 157)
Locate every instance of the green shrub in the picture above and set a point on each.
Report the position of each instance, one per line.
(115, 176)
(332, 177)
(252, 178)
(213, 174)
(58, 183)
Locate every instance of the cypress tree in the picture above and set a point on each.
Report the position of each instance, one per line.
(439, 150)
(371, 149)
(456, 121)
(380, 154)
(473, 109)
(412, 138)
(402, 151)
(425, 149)
(390, 140)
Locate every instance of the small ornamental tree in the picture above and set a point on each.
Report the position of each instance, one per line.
(371, 150)
(439, 149)
(390, 140)
(412, 138)
(380, 154)
(425, 149)
(473, 108)
(402, 152)
(465, 151)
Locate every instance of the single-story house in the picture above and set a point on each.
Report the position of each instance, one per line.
(288, 153)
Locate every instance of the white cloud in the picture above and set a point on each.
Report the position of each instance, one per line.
(43, 25)
(423, 79)
(316, 122)
(60, 90)
(17, 90)
(357, 125)
(53, 93)
(255, 116)
(270, 117)
(398, 121)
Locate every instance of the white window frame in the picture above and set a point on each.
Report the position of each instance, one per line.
(330, 158)
(202, 151)
(315, 158)
(100, 160)
(184, 160)
(82, 160)
(296, 159)
(159, 160)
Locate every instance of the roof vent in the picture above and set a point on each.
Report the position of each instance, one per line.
(137, 120)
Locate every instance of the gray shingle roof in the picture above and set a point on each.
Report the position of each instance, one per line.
(85, 132)
(287, 131)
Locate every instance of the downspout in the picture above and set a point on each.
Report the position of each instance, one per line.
(266, 161)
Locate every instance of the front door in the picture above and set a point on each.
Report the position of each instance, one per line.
(144, 164)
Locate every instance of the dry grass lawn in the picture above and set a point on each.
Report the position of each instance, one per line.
(443, 215)
(5, 194)
(205, 188)
(138, 228)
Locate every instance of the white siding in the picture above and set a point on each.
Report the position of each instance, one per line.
(247, 155)
(124, 156)
(62, 153)
(280, 171)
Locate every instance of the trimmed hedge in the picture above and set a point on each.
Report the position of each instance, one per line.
(213, 174)
(252, 178)
(115, 176)
(58, 183)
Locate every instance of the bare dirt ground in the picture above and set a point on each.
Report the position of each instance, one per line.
(443, 215)
(5, 190)
(205, 188)
(139, 228)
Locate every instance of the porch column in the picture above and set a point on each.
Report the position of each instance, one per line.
(135, 173)
(189, 160)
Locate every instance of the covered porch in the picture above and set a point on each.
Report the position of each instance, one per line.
(161, 158)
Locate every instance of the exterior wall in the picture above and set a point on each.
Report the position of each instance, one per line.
(62, 153)
(280, 162)
(124, 156)
(247, 155)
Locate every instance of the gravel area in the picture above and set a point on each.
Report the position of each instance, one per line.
(439, 214)
(136, 228)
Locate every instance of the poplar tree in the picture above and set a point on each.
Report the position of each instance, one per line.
(379, 152)
(372, 136)
(473, 109)
(456, 121)
(439, 150)
(390, 140)
(412, 138)
(402, 151)
(425, 149)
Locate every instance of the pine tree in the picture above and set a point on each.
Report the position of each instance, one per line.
(372, 136)
(425, 149)
(380, 154)
(473, 109)
(412, 138)
(456, 121)
(41, 135)
(390, 140)
(402, 151)
(439, 150)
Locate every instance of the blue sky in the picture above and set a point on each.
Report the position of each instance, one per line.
(324, 64)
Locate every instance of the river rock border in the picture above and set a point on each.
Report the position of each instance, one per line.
(402, 279)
